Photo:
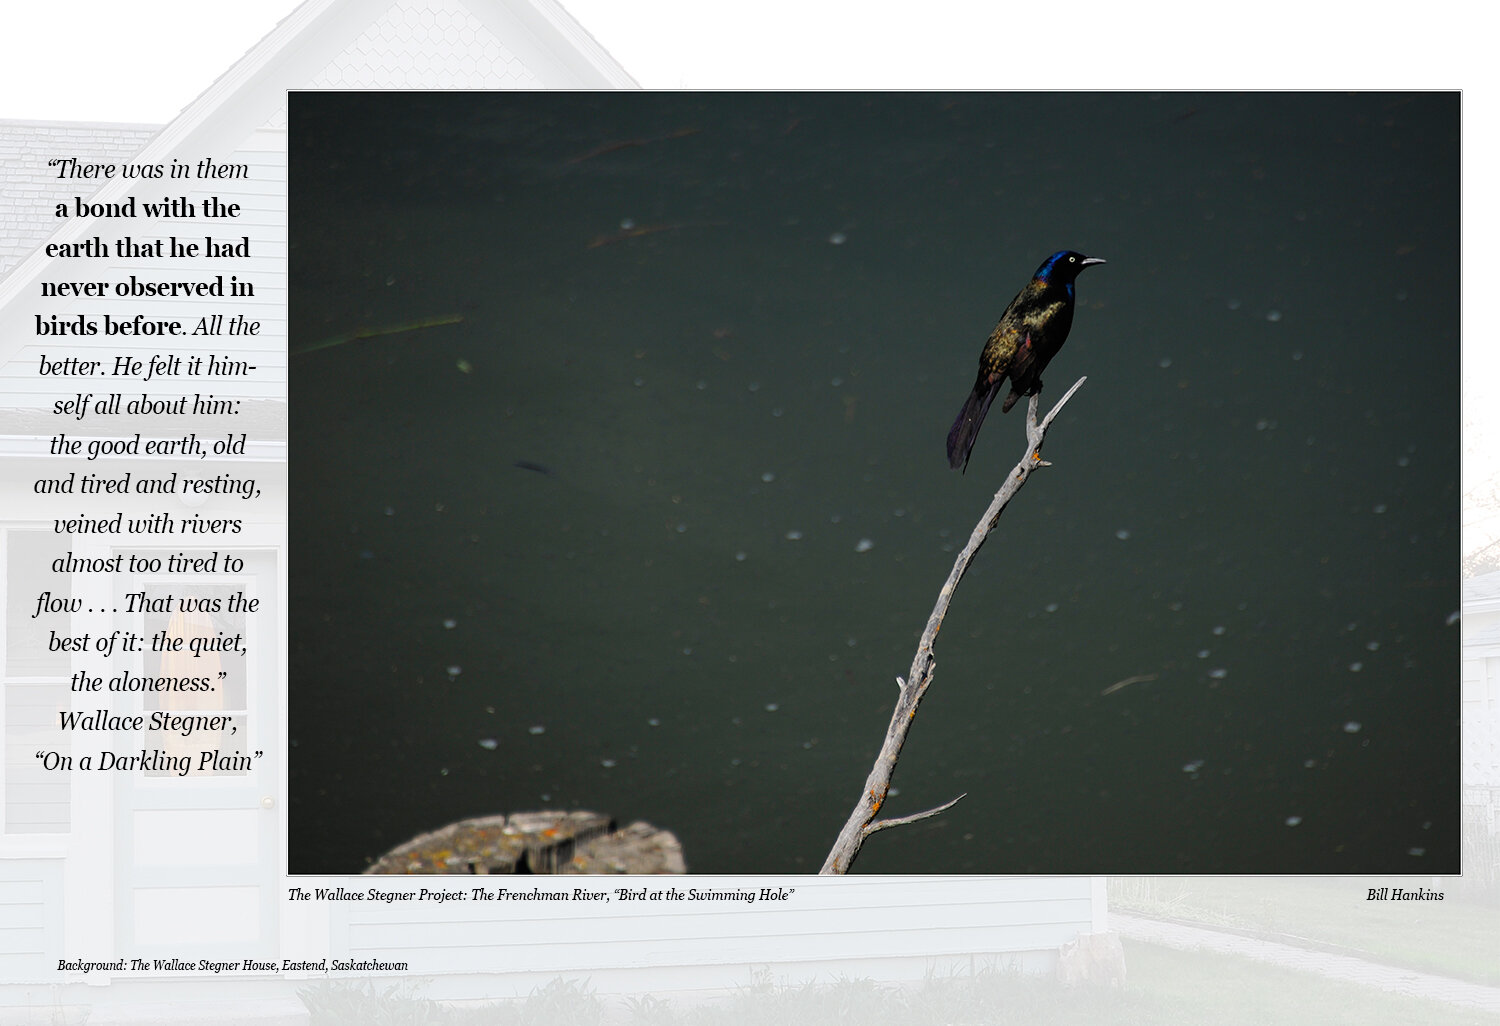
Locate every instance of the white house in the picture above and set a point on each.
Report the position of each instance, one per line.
(148, 865)
(1480, 673)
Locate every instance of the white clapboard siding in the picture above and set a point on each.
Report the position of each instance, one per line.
(826, 926)
(263, 218)
(111, 885)
(29, 933)
(35, 801)
(1480, 690)
(29, 189)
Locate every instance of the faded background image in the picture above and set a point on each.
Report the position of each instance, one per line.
(618, 476)
(154, 867)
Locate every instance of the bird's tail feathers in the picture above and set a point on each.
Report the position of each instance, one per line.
(966, 428)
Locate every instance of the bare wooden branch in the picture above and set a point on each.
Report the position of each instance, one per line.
(881, 824)
(862, 822)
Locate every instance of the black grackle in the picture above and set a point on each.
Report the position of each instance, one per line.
(1031, 331)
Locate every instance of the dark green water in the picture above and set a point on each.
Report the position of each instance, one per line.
(690, 603)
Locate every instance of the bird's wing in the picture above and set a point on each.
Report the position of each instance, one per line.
(1025, 362)
(1039, 334)
(1000, 351)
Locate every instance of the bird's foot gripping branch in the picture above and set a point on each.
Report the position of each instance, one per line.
(1031, 331)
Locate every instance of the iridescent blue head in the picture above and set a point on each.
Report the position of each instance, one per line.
(1062, 267)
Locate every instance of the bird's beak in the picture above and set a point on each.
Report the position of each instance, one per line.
(1092, 260)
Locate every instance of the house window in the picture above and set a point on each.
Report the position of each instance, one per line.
(187, 614)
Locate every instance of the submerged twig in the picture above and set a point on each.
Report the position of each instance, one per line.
(394, 329)
(625, 144)
(862, 822)
(626, 234)
(1139, 678)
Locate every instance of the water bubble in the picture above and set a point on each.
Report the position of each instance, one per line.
(1309, 763)
(768, 477)
(1451, 619)
(1193, 767)
(700, 385)
(1416, 852)
(1164, 362)
(1051, 607)
(863, 545)
(608, 763)
(1355, 667)
(794, 535)
(488, 743)
(838, 239)
(1403, 461)
(1203, 653)
(772, 706)
(627, 223)
(653, 722)
(1122, 534)
(1371, 646)
(836, 382)
(1379, 507)
(739, 557)
(754, 386)
(1293, 820)
(390, 511)
(455, 670)
(1273, 316)
(1218, 630)
(1219, 673)
(536, 728)
(1296, 354)
(450, 623)
(1353, 727)
(682, 528)
(1234, 304)
(639, 382)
